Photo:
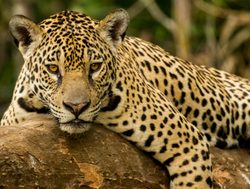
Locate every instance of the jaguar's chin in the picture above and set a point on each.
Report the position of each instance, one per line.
(75, 126)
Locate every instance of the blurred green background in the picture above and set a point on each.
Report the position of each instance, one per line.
(212, 33)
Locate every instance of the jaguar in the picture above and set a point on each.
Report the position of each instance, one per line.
(81, 71)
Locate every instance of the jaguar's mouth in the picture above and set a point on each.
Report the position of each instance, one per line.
(75, 126)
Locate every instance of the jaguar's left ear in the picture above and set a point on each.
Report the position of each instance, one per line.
(113, 27)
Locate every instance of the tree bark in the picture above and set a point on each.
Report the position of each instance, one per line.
(38, 154)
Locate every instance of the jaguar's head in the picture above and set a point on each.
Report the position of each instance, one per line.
(70, 60)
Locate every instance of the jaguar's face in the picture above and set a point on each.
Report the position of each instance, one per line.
(75, 80)
(71, 63)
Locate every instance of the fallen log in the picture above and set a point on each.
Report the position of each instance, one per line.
(39, 155)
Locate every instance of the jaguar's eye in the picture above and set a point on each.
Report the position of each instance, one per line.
(53, 68)
(94, 67)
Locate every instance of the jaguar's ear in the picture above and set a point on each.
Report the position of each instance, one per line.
(26, 33)
(113, 27)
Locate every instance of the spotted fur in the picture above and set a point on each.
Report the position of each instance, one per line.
(81, 71)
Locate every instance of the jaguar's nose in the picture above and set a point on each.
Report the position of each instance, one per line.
(76, 108)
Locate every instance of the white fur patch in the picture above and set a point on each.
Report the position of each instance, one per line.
(74, 129)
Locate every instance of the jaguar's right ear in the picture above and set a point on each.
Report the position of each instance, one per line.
(26, 33)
